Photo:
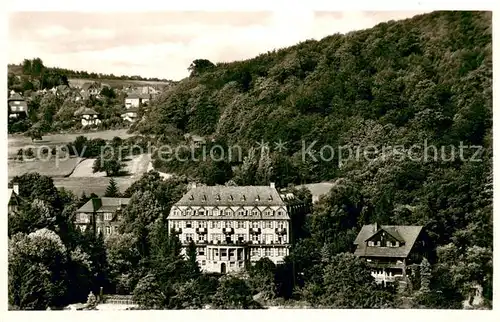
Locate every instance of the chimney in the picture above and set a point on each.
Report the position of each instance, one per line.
(15, 188)
(96, 203)
(192, 185)
(273, 186)
(375, 227)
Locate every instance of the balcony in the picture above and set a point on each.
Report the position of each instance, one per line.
(254, 230)
(281, 231)
(228, 230)
(201, 230)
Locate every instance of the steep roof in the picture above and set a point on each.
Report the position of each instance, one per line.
(104, 204)
(63, 88)
(12, 197)
(145, 96)
(88, 111)
(89, 85)
(79, 111)
(231, 196)
(133, 96)
(130, 110)
(16, 97)
(406, 234)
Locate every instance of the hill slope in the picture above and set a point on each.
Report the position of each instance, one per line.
(401, 82)
(421, 81)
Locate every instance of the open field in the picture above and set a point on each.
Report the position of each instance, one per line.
(90, 185)
(136, 166)
(318, 189)
(16, 142)
(52, 168)
(84, 169)
(117, 83)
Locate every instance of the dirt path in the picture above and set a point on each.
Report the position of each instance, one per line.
(138, 165)
(84, 169)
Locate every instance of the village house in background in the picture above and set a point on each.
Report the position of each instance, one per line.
(88, 116)
(130, 115)
(17, 106)
(90, 89)
(231, 225)
(101, 215)
(392, 251)
(136, 100)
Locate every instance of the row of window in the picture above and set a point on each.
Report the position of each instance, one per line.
(387, 244)
(255, 252)
(223, 252)
(17, 108)
(228, 212)
(267, 252)
(107, 230)
(231, 264)
(86, 217)
(261, 238)
(228, 224)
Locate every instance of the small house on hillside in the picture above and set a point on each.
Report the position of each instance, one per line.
(88, 116)
(144, 99)
(130, 115)
(132, 100)
(90, 89)
(135, 100)
(77, 97)
(391, 250)
(194, 139)
(63, 90)
(17, 106)
(14, 199)
(149, 90)
(101, 215)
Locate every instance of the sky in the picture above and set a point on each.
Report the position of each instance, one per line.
(163, 44)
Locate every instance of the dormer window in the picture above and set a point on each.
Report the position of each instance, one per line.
(217, 198)
(191, 197)
(204, 198)
(270, 198)
(230, 197)
(257, 198)
(243, 198)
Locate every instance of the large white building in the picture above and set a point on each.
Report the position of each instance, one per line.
(232, 226)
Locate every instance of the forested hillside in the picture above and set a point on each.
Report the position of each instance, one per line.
(425, 80)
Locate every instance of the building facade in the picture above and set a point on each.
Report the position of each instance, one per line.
(392, 251)
(132, 100)
(89, 117)
(101, 215)
(130, 115)
(232, 226)
(17, 106)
